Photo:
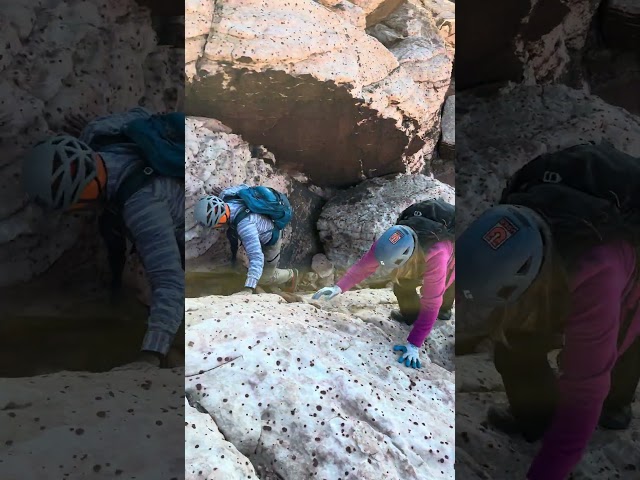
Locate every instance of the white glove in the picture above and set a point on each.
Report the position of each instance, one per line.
(409, 356)
(329, 292)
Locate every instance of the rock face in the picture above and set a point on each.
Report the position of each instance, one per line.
(526, 122)
(216, 159)
(302, 391)
(521, 41)
(306, 81)
(63, 58)
(353, 219)
(207, 453)
(99, 426)
(609, 454)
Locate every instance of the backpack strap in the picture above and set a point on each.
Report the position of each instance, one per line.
(111, 223)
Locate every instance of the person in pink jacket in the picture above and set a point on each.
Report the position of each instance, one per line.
(431, 259)
(555, 265)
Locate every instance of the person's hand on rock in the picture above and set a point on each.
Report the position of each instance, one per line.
(329, 292)
(244, 291)
(410, 355)
(145, 361)
(74, 124)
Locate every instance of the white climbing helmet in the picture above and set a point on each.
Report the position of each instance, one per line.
(56, 171)
(211, 211)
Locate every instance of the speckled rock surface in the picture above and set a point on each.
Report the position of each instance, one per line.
(353, 219)
(305, 391)
(609, 454)
(526, 122)
(207, 454)
(521, 40)
(60, 58)
(216, 159)
(306, 81)
(100, 426)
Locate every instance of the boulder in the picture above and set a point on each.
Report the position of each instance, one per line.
(215, 160)
(68, 58)
(526, 122)
(310, 85)
(353, 219)
(521, 41)
(304, 391)
(448, 141)
(444, 15)
(207, 453)
(102, 425)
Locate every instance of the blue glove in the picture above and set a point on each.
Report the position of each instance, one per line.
(329, 292)
(409, 355)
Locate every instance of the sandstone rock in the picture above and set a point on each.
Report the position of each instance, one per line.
(526, 122)
(93, 425)
(448, 141)
(312, 87)
(87, 57)
(444, 14)
(353, 219)
(304, 391)
(374, 306)
(322, 266)
(521, 41)
(610, 454)
(219, 160)
(207, 453)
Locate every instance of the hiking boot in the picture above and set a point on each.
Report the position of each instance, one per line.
(616, 418)
(399, 317)
(501, 418)
(295, 279)
(445, 315)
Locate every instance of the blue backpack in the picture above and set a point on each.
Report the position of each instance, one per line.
(159, 139)
(262, 200)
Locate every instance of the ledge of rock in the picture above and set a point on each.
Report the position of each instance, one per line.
(102, 425)
(268, 374)
(207, 453)
(527, 122)
(354, 218)
(316, 90)
(216, 159)
(64, 58)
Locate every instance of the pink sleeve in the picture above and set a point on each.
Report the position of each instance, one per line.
(434, 284)
(589, 355)
(365, 267)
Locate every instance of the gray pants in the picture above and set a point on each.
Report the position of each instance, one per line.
(271, 274)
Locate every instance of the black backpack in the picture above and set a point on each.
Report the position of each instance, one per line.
(433, 221)
(589, 194)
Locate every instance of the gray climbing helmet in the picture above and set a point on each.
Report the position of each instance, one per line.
(209, 210)
(56, 171)
(500, 255)
(395, 246)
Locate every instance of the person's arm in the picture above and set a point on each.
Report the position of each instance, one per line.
(433, 287)
(364, 268)
(248, 233)
(589, 354)
(153, 232)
